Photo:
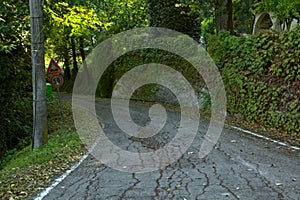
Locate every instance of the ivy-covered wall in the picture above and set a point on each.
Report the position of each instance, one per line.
(262, 77)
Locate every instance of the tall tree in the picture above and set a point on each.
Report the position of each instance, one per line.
(40, 129)
(68, 23)
(223, 15)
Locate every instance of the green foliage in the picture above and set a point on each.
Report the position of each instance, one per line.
(23, 172)
(284, 9)
(262, 76)
(14, 25)
(75, 19)
(242, 16)
(66, 19)
(91, 21)
(28, 171)
(15, 77)
(124, 15)
(179, 15)
(136, 58)
(207, 29)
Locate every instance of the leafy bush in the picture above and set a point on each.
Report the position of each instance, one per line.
(262, 77)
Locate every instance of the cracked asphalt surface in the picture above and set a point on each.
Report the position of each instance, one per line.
(239, 167)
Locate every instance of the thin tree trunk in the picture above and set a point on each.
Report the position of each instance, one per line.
(40, 129)
(75, 65)
(85, 69)
(81, 49)
(67, 74)
(289, 24)
(82, 54)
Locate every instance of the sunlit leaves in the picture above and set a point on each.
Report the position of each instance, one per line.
(284, 9)
(77, 20)
(92, 20)
(14, 26)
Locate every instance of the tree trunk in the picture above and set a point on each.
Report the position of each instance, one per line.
(289, 24)
(85, 69)
(82, 54)
(75, 65)
(223, 15)
(67, 74)
(40, 129)
(81, 44)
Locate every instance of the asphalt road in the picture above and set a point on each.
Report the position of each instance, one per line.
(239, 167)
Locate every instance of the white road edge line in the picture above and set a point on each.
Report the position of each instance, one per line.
(264, 137)
(57, 181)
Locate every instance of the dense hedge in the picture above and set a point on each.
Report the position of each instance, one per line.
(262, 77)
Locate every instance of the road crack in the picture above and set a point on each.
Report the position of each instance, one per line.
(157, 188)
(137, 181)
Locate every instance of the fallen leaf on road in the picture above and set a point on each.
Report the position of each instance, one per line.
(273, 165)
(226, 194)
(23, 193)
(279, 184)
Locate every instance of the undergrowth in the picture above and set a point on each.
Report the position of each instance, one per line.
(28, 171)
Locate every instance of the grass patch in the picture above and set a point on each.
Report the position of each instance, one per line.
(28, 171)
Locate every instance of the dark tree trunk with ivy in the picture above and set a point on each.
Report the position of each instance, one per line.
(223, 14)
